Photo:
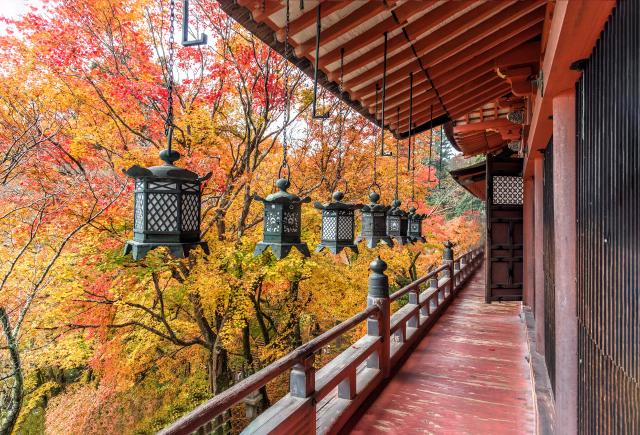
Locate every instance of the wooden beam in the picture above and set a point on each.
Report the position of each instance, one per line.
(468, 83)
(422, 114)
(372, 35)
(309, 18)
(418, 27)
(260, 13)
(351, 21)
(485, 125)
(518, 29)
(463, 107)
(466, 103)
(441, 77)
(562, 49)
(528, 53)
(455, 35)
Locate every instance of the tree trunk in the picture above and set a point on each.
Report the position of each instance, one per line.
(11, 416)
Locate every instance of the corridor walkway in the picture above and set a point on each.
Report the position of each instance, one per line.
(469, 375)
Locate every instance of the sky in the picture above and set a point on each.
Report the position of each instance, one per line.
(13, 8)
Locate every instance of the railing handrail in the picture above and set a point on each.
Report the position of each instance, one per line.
(225, 400)
(381, 325)
(412, 286)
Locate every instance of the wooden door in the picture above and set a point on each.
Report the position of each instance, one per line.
(504, 265)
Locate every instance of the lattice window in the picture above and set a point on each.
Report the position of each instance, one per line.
(190, 212)
(162, 212)
(138, 217)
(507, 190)
(329, 227)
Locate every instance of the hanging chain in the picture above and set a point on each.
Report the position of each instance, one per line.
(287, 102)
(375, 144)
(341, 114)
(397, 152)
(440, 164)
(168, 127)
(411, 160)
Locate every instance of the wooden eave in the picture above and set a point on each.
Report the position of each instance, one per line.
(473, 178)
(453, 50)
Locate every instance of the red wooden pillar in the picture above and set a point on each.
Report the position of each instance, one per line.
(528, 248)
(564, 201)
(538, 170)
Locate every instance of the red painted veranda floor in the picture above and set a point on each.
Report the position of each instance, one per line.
(469, 375)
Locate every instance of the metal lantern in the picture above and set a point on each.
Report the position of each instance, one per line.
(414, 228)
(167, 208)
(338, 224)
(281, 222)
(374, 227)
(397, 223)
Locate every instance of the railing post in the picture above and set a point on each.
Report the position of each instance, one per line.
(380, 326)
(447, 259)
(414, 299)
(457, 277)
(302, 383)
(433, 285)
(253, 405)
(463, 268)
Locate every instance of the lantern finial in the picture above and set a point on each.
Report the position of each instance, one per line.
(169, 156)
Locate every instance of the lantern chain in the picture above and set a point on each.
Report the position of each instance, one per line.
(375, 145)
(397, 151)
(341, 114)
(285, 164)
(168, 128)
(411, 159)
(440, 163)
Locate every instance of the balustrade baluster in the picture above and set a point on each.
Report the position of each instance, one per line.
(435, 301)
(380, 325)
(414, 299)
(447, 259)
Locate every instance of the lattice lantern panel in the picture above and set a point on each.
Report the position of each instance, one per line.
(346, 224)
(329, 225)
(166, 213)
(507, 190)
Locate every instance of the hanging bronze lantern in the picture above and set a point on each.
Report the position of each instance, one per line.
(166, 208)
(338, 224)
(282, 214)
(414, 228)
(166, 198)
(397, 223)
(374, 226)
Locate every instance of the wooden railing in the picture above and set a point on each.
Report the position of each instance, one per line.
(323, 400)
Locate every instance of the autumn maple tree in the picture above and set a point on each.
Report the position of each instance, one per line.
(86, 332)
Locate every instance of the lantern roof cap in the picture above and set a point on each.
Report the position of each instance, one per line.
(373, 206)
(282, 196)
(337, 203)
(395, 209)
(414, 215)
(165, 171)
